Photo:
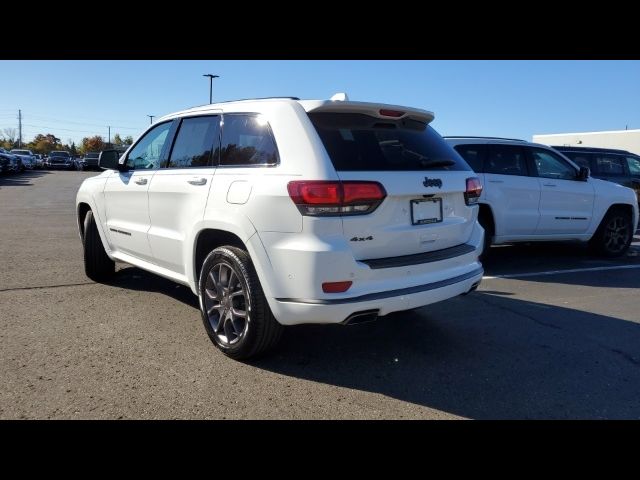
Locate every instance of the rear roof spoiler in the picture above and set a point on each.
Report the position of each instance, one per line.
(379, 110)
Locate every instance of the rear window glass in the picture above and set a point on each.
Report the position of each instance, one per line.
(358, 142)
(474, 155)
(507, 160)
(610, 164)
(196, 140)
(246, 141)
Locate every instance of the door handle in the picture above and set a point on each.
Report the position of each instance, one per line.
(496, 181)
(549, 185)
(197, 181)
(141, 181)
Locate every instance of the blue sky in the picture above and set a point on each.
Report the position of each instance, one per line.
(73, 99)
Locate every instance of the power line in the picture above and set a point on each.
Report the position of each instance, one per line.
(41, 117)
(59, 128)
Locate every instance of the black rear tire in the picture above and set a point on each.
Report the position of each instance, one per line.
(614, 235)
(486, 221)
(228, 275)
(97, 264)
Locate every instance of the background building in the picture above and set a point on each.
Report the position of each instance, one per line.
(622, 139)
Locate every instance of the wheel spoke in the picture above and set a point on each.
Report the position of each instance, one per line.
(215, 306)
(232, 276)
(238, 313)
(236, 293)
(229, 329)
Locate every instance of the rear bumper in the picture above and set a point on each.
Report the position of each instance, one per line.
(297, 311)
(291, 273)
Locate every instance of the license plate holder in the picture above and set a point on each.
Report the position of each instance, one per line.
(426, 210)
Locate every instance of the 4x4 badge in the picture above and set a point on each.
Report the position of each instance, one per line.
(432, 182)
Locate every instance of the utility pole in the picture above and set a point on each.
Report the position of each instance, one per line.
(19, 128)
(150, 119)
(109, 142)
(211, 77)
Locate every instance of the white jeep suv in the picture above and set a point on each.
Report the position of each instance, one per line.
(534, 193)
(279, 212)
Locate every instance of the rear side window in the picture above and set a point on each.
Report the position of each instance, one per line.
(358, 142)
(474, 155)
(610, 164)
(195, 142)
(506, 160)
(247, 141)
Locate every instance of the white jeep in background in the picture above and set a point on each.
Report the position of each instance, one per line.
(280, 212)
(534, 193)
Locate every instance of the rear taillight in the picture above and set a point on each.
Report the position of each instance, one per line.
(327, 198)
(473, 192)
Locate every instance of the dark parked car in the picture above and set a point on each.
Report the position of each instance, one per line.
(618, 166)
(4, 163)
(14, 164)
(88, 162)
(61, 160)
(27, 157)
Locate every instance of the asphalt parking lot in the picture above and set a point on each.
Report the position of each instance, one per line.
(532, 342)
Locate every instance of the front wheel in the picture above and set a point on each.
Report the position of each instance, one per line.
(234, 310)
(97, 264)
(614, 235)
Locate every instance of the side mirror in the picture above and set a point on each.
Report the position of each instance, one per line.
(584, 173)
(108, 160)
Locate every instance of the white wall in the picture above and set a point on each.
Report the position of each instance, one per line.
(621, 139)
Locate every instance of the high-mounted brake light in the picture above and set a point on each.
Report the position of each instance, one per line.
(385, 112)
(330, 198)
(473, 192)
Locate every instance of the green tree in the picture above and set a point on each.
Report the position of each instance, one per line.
(117, 140)
(93, 144)
(44, 143)
(128, 140)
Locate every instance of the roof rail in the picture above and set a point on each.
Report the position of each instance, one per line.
(591, 149)
(492, 138)
(245, 100)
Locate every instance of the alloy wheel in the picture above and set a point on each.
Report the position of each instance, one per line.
(226, 303)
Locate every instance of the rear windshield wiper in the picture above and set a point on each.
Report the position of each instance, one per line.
(437, 163)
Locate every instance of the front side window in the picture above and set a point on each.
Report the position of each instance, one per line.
(610, 164)
(197, 143)
(580, 159)
(146, 154)
(634, 165)
(550, 165)
(246, 141)
(507, 160)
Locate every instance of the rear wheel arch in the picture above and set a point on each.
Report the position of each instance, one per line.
(208, 240)
(487, 219)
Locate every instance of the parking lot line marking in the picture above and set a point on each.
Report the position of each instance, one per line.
(559, 272)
